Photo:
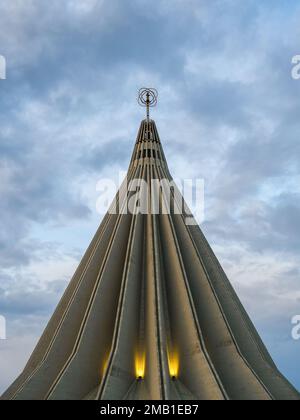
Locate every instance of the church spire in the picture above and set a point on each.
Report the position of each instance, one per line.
(150, 314)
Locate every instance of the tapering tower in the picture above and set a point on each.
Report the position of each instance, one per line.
(149, 313)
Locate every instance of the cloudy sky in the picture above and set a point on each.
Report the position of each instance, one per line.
(228, 113)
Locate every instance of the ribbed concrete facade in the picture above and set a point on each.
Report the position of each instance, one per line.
(150, 314)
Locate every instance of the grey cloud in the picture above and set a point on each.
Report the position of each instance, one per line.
(267, 227)
(115, 152)
(68, 111)
(34, 301)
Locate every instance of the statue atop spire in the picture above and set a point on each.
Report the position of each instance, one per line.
(148, 98)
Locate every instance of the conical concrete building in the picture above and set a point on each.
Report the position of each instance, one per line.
(149, 313)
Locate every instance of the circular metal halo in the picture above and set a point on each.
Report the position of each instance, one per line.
(143, 98)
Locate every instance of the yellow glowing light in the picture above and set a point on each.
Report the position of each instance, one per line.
(140, 363)
(173, 359)
(105, 364)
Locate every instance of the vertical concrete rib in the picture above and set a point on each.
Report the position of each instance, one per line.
(162, 313)
(219, 341)
(126, 350)
(195, 368)
(96, 332)
(153, 372)
(64, 339)
(79, 288)
(249, 343)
